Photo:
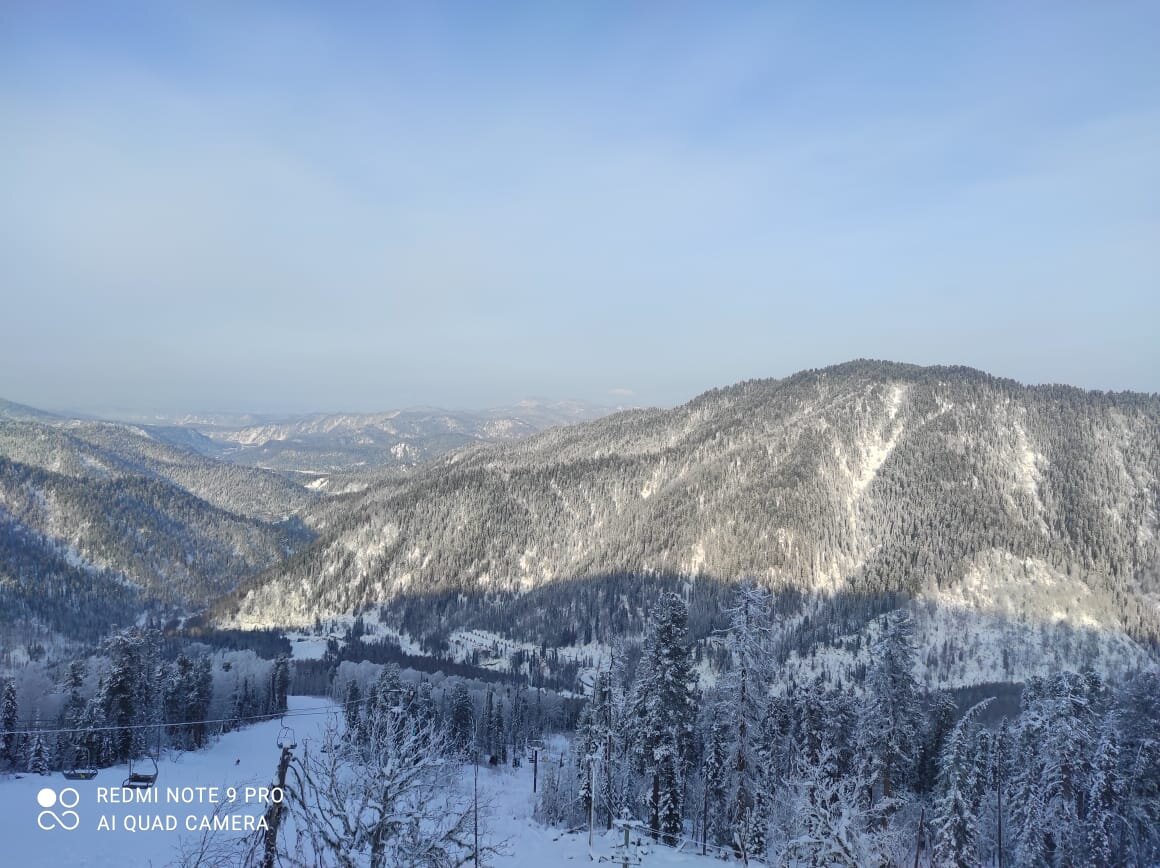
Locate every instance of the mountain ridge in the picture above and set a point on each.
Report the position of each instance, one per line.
(869, 476)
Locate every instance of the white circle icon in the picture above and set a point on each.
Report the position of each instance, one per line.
(46, 798)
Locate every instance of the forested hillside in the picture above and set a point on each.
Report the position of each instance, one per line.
(104, 450)
(101, 522)
(80, 555)
(1036, 503)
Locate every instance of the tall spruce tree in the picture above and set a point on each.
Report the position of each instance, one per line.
(664, 708)
(9, 720)
(37, 753)
(1104, 806)
(891, 722)
(961, 781)
(745, 690)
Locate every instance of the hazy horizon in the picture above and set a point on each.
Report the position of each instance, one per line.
(281, 208)
(615, 403)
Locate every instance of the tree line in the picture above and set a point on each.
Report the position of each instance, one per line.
(761, 768)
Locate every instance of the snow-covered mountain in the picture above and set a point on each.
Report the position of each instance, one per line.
(1036, 503)
(20, 412)
(328, 443)
(88, 449)
(101, 521)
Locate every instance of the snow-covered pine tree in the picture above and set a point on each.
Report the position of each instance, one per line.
(74, 682)
(890, 724)
(594, 759)
(279, 684)
(498, 733)
(995, 813)
(939, 723)
(423, 705)
(668, 792)
(517, 731)
(179, 695)
(715, 816)
(1059, 728)
(958, 793)
(1068, 748)
(125, 693)
(462, 716)
(486, 731)
(37, 753)
(201, 699)
(1027, 831)
(829, 827)
(664, 710)
(1137, 721)
(352, 709)
(745, 689)
(1104, 803)
(585, 747)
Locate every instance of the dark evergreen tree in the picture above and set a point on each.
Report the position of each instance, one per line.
(37, 753)
(9, 720)
(663, 708)
(890, 724)
(353, 710)
(1104, 806)
(126, 695)
(941, 721)
(715, 821)
(462, 721)
(1136, 722)
(280, 684)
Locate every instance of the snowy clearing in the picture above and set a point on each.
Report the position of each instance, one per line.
(247, 758)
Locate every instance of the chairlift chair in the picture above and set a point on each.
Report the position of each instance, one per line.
(139, 780)
(81, 771)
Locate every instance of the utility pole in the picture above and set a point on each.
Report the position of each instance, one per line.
(535, 767)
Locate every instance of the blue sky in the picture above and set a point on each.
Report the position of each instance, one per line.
(361, 205)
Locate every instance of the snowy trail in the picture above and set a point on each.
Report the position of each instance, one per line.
(26, 845)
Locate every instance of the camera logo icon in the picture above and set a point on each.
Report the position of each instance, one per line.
(68, 819)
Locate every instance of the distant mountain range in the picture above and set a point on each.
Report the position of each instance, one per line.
(327, 443)
(101, 521)
(1037, 507)
(1035, 503)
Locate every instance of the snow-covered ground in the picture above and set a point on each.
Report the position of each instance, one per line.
(527, 844)
(247, 758)
(239, 759)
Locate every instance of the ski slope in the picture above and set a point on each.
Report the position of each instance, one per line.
(247, 758)
(239, 759)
